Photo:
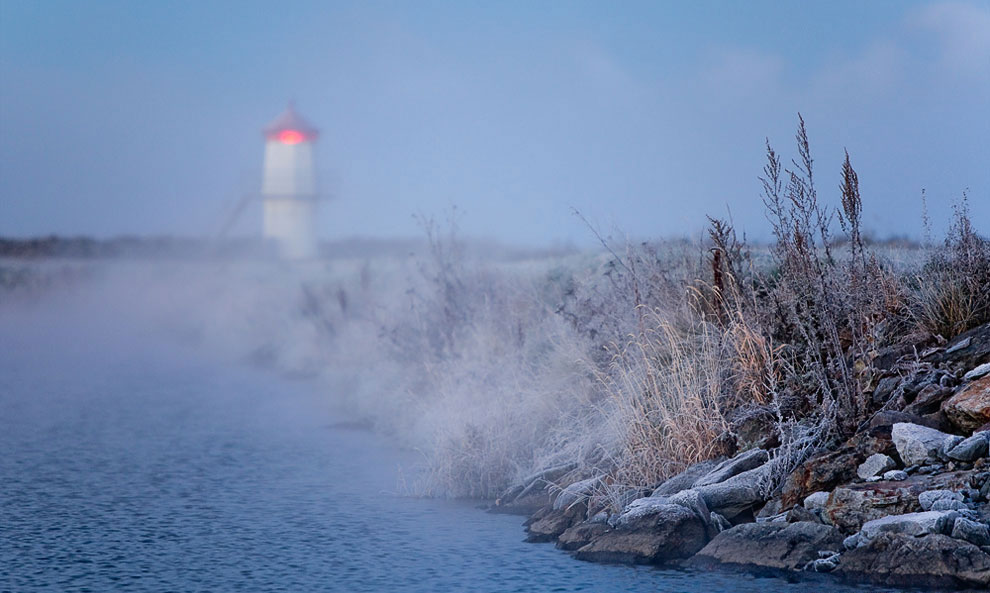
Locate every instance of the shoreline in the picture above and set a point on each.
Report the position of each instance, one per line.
(901, 503)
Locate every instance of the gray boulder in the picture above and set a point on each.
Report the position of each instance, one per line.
(576, 492)
(798, 514)
(875, 465)
(784, 546)
(948, 445)
(816, 501)
(580, 535)
(927, 499)
(972, 448)
(895, 475)
(916, 524)
(916, 444)
(949, 504)
(975, 533)
(745, 461)
(933, 561)
(649, 533)
(736, 495)
(547, 524)
(685, 479)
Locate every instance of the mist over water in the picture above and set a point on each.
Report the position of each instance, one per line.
(141, 455)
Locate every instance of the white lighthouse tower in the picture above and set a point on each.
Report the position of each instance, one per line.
(288, 186)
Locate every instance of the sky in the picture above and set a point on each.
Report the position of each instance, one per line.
(121, 117)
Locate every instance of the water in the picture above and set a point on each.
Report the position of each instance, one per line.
(129, 465)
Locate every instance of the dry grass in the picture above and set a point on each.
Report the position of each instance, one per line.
(951, 294)
(665, 390)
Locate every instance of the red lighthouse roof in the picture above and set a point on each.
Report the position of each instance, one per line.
(290, 128)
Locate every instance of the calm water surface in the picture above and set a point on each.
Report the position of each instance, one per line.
(126, 465)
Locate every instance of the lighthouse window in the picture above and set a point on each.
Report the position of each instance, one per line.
(290, 137)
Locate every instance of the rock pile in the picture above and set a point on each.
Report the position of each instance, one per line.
(902, 502)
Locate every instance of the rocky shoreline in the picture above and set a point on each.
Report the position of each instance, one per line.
(903, 502)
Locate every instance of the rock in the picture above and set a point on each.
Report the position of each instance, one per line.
(927, 499)
(872, 479)
(649, 534)
(798, 514)
(770, 510)
(885, 390)
(718, 522)
(946, 504)
(929, 399)
(690, 499)
(851, 506)
(577, 492)
(975, 533)
(816, 501)
(964, 343)
(972, 448)
(581, 535)
(895, 475)
(931, 561)
(550, 523)
(745, 461)
(888, 418)
(948, 445)
(975, 353)
(823, 564)
(930, 469)
(738, 494)
(970, 408)
(916, 524)
(783, 546)
(685, 479)
(755, 428)
(826, 471)
(853, 541)
(917, 444)
(874, 465)
(980, 371)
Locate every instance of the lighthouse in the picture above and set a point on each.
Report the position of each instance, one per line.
(288, 186)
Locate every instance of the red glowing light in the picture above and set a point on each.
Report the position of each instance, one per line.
(290, 137)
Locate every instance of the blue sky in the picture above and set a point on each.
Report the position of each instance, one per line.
(145, 117)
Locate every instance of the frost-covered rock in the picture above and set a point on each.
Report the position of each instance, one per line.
(823, 564)
(853, 541)
(736, 495)
(816, 501)
(972, 448)
(690, 499)
(949, 504)
(971, 531)
(927, 499)
(983, 369)
(918, 444)
(788, 546)
(895, 475)
(934, 562)
(576, 492)
(916, 524)
(685, 479)
(874, 465)
(729, 468)
(648, 532)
